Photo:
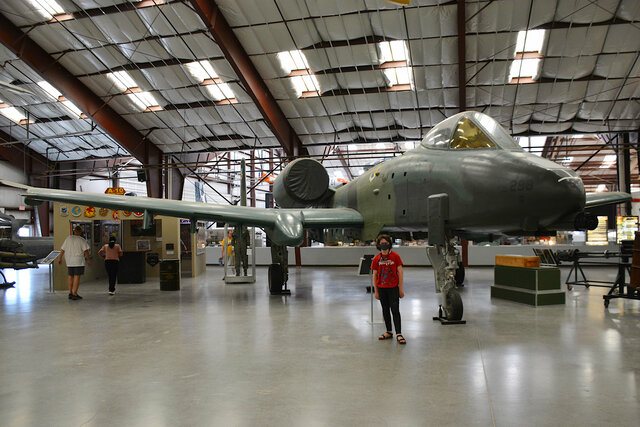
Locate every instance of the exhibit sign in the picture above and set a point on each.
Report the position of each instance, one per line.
(626, 227)
(599, 235)
(115, 190)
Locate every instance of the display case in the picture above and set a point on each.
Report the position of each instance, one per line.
(626, 227)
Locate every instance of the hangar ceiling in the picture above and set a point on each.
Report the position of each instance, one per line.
(352, 81)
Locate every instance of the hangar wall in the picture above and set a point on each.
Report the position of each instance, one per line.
(411, 255)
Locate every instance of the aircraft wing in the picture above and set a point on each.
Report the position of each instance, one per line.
(609, 198)
(285, 226)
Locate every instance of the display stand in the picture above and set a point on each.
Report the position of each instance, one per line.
(577, 260)
(364, 269)
(228, 261)
(48, 260)
(5, 284)
(618, 288)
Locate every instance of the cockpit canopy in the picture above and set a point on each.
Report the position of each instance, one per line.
(469, 130)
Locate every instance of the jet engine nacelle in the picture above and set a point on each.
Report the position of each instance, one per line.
(304, 182)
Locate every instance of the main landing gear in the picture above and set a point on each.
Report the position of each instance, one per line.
(279, 270)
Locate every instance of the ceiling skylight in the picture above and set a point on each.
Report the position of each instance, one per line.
(293, 60)
(47, 8)
(399, 76)
(526, 66)
(122, 80)
(608, 162)
(392, 51)
(534, 40)
(306, 85)
(521, 68)
(75, 111)
(394, 60)
(201, 70)
(13, 114)
(219, 91)
(145, 101)
(295, 64)
(55, 95)
(205, 75)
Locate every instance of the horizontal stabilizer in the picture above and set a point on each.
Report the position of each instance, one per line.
(603, 199)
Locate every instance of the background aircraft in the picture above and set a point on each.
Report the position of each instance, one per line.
(36, 246)
(468, 178)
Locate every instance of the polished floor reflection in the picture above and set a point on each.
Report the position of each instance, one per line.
(216, 354)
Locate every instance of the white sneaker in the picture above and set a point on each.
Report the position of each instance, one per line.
(112, 292)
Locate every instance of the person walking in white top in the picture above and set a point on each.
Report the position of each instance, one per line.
(75, 250)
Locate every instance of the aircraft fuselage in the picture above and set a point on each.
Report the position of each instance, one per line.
(492, 190)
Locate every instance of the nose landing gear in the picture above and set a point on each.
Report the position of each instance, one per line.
(444, 259)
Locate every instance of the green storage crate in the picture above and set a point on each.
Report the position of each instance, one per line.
(531, 278)
(528, 297)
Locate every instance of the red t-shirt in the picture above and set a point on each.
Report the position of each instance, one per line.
(387, 268)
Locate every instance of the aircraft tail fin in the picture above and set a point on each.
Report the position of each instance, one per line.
(608, 198)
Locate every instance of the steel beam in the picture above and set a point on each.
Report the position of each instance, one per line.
(345, 164)
(462, 57)
(91, 104)
(174, 181)
(624, 172)
(249, 76)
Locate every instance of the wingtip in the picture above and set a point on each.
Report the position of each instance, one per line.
(14, 184)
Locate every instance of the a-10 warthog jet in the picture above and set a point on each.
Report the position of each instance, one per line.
(467, 178)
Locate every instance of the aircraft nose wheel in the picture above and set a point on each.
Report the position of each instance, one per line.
(451, 314)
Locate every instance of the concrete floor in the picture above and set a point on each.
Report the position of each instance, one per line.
(231, 355)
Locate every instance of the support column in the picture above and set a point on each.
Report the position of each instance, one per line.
(624, 172)
(465, 252)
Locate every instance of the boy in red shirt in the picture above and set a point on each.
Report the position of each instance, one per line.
(387, 281)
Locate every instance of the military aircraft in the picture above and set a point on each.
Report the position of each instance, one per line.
(37, 246)
(467, 178)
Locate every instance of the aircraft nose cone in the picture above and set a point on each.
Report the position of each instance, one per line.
(571, 190)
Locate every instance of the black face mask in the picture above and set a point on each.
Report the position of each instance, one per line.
(384, 246)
